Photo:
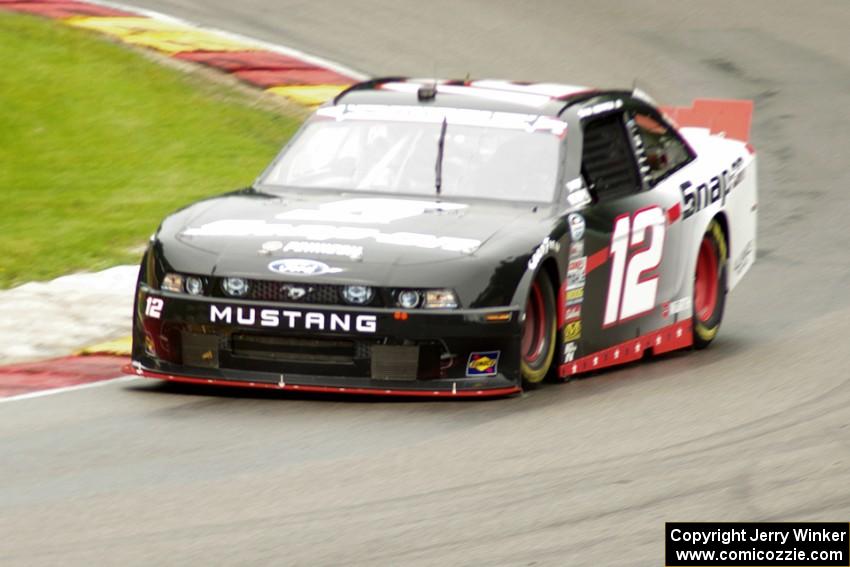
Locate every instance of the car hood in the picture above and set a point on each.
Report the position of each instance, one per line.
(368, 239)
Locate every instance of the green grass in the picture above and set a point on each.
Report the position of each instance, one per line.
(98, 143)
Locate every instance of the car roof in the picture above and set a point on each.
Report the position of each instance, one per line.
(494, 95)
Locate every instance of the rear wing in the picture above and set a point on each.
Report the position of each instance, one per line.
(730, 118)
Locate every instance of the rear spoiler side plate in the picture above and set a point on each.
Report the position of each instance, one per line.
(732, 118)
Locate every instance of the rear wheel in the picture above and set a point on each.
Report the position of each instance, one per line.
(537, 345)
(709, 285)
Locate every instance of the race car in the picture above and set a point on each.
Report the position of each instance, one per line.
(457, 238)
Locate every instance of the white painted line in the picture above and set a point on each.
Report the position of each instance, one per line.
(42, 393)
(277, 48)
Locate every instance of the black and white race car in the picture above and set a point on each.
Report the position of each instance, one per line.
(459, 238)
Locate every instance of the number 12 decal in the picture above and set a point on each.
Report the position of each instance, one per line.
(153, 307)
(630, 293)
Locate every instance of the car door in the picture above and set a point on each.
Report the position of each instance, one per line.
(633, 242)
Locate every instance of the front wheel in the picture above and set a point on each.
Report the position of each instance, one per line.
(537, 345)
(709, 285)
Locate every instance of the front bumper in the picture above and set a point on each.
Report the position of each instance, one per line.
(325, 348)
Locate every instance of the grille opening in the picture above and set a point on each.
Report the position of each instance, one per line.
(265, 290)
(307, 293)
(287, 349)
(334, 355)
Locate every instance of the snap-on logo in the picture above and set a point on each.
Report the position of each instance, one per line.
(301, 267)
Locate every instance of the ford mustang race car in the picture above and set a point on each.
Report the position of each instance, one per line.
(458, 238)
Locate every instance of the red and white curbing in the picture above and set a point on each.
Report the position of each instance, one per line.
(51, 319)
(302, 78)
(272, 47)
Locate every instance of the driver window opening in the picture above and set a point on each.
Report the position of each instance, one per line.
(662, 150)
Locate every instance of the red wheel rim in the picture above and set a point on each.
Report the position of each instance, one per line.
(534, 329)
(706, 284)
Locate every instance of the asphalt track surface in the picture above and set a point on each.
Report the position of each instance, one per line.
(754, 428)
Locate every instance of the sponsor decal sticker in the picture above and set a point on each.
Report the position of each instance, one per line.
(301, 267)
(675, 307)
(545, 247)
(569, 352)
(576, 249)
(600, 108)
(483, 363)
(237, 228)
(572, 331)
(458, 116)
(576, 272)
(573, 294)
(576, 222)
(744, 259)
(696, 198)
(350, 251)
(572, 312)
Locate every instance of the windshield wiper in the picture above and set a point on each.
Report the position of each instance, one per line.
(438, 182)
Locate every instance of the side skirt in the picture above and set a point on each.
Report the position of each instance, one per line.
(672, 337)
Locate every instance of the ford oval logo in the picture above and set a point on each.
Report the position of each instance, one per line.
(301, 267)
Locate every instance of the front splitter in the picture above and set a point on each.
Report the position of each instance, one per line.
(283, 386)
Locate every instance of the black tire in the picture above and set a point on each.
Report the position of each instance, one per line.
(709, 285)
(539, 332)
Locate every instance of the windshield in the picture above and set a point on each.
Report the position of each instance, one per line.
(394, 149)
